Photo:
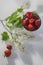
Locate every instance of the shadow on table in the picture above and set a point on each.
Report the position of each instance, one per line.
(32, 47)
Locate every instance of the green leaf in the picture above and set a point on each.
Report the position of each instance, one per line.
(14, 14)
(5, 36)
(13, 19)
(19, 24)
(20, 9)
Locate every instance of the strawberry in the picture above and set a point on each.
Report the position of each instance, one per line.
(25, 21)
(9, 47)
(37, 23)
(31, 21)
(35, 16)
(30, 27)
(7, 52)
(29, 14)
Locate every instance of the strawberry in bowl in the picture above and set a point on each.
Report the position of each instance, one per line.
(31, 21)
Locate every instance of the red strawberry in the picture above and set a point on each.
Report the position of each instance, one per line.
(7, 52)
(25, 21)
(29, 14)
(37, 23)
(9, 47)
(31, 21)
(35, 16)
(30, 27)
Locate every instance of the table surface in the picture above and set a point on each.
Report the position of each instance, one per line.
(34, 48)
